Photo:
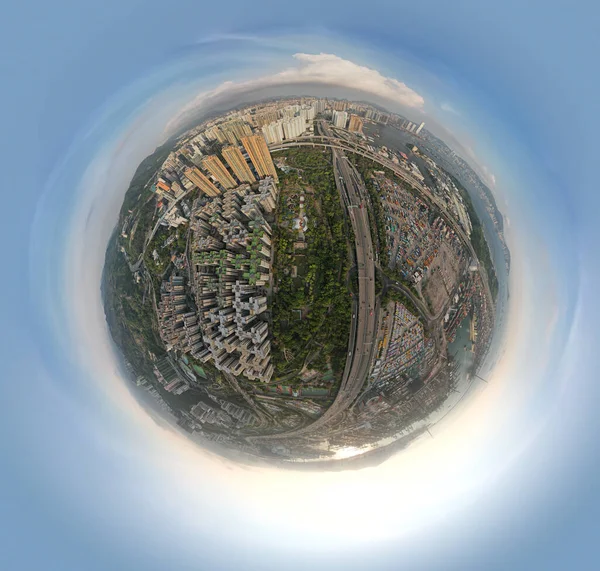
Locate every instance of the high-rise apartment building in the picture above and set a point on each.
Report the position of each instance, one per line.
(290, 111)
(231, 267)
(339, 105)
(259, 154)
(308, 113)
(215, 134)
(201, 181)
(238, 164)
(266, 117)
(235, 129)
(339, 119)
(294, 127)
(419, 129)
(217, 169)
(273, 132)
(356, 124)
(197, 159)
(377, 116)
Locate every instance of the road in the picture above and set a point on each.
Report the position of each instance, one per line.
(161, 218)
(360, 351)
(264, 417)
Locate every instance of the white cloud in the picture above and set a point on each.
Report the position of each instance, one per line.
(331, 69)
(448, 108)
(324, 69)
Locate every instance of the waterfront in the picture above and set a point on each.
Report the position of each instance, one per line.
(398, 139)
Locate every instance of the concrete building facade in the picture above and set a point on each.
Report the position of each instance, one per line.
(236, 161)
(218, 170)
(259, 154)
(339, 119)
(201, 181)
(231, 264)
(355, 124)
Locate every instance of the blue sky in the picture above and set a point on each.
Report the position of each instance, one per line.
(87, 478)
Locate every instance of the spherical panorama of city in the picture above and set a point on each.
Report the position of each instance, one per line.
(306, 280)
(300, 287)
